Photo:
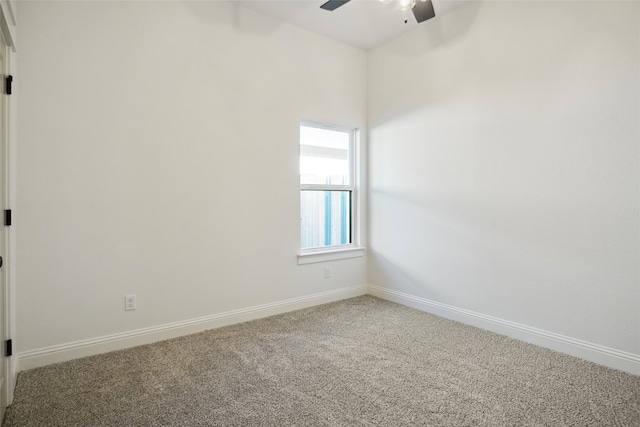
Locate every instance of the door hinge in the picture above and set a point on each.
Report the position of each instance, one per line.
(7, 217)
(8, 84)
(8, 349)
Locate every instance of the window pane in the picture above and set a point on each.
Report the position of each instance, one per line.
(325, 218)
(324, 156)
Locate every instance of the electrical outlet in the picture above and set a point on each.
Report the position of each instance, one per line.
(327, 272)
(129, 302)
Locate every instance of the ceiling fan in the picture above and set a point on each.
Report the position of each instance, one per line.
(422, 9)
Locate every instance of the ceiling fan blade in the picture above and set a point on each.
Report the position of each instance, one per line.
(423, 10)
(334, 4)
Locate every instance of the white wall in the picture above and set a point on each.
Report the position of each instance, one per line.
(504, 166)
(158, 157)
(158, 153)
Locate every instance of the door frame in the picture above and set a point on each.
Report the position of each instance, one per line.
(8, 31)
(4, 238)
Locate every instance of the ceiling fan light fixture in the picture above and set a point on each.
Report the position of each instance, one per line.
(421, 11)
(405, 4)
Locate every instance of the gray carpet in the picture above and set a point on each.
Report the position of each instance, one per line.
(358, 362)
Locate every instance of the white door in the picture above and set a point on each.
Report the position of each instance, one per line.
(4, 163)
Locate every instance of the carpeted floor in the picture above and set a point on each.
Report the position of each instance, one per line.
(358, 362)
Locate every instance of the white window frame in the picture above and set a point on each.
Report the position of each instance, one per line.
(352, 249)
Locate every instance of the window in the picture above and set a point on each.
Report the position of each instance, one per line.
(327, 188)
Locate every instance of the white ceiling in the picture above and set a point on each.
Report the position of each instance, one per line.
(361, 23)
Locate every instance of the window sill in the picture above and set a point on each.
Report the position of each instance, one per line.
(330, 255)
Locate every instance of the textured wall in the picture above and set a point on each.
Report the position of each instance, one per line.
(504, 173)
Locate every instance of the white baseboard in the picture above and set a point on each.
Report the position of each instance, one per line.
(601, 355)
(606, 356)
(61, 353)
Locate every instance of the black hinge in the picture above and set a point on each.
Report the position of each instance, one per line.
(8, 83)
(7, 217)
(8, 348)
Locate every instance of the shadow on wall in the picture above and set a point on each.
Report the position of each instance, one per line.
(423, 56)
(385, 273)
(447, 250)
(413, 244)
